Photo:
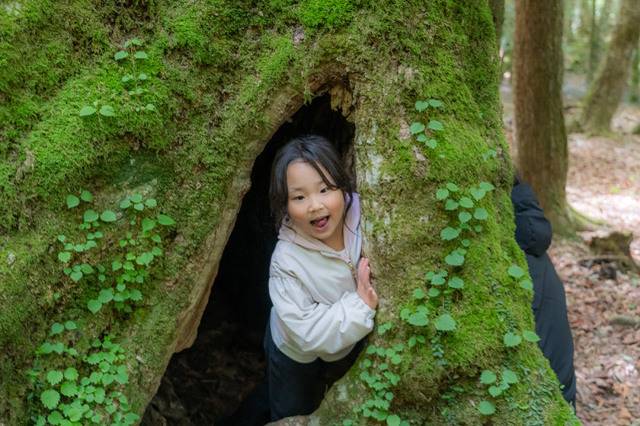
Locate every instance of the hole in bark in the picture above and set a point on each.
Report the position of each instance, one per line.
(207, 382)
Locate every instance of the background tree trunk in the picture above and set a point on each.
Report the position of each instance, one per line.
(221, 79)
(608, 87)
(541, 139)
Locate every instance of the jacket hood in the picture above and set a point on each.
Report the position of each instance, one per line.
(533, 230)
(291, 233)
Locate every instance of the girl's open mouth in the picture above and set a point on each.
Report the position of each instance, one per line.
(321, 224)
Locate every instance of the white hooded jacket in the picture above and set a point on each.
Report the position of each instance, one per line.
(316, 311)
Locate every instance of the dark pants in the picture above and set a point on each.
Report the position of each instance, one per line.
(295, 388)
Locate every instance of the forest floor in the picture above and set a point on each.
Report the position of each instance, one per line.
(603, 299)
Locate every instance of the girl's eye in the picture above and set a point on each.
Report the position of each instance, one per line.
(299, 198)
(323, 190)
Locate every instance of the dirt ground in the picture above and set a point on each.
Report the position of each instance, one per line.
(603, 301)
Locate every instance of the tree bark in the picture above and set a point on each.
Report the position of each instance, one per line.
(608, 87)
(541, 139)
(221, 78)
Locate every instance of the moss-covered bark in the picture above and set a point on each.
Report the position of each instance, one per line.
(223, 76)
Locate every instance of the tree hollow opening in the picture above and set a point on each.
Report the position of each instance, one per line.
(206, 383)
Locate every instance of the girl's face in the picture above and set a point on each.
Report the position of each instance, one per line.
(313, 206)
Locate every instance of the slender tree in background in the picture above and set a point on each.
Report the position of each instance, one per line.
(569, 6)
(541, 138)
(606, 90)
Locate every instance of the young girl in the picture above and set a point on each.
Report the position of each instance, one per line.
(323, 301)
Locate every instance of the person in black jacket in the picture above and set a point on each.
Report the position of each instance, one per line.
(533, 235)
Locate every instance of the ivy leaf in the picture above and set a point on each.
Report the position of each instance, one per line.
(431, 143)
(54, 377)
(50, 398)
(125, 204)
(433, 292)
(115, 265)
(452, 187)
(148, 224)
(94, 306)
(108, 216)
(530, 336)
(454, 259)
(435, 125)
(421, 106)
(509, 376)
(464, 217)
(441, 194)
(86, 269)
(416, 128)
(64, 256)
(396, 359)
(69, 388)
(86, 196)
(76, 276)
(486, 408)
(56, 329)
(141, 55)
(486, 186)
(450, 205)
(120, 55)
(151, 202)
(494, 391)
(449, 234)
(466, 202)
(516, 271)
(480, 214)
(107, 111)
(147, 257)
(72, 201)
(71, 374)
(487, 377)
(142, 76)
(437, 280)
(418, 319)
(138, 206)
(135, 295)
(150, 107)
(526, 284)
(156, 251)
(165, 220)
(54, 418)
(445, 323)
(393, 420)
(136, 198)
(422, 137)
(435, 103)
(511, 340)
(465, 243)
(418, 293)
(86, 111)
(478, 193)
(456, 282)
(70, 325)
(105, 296)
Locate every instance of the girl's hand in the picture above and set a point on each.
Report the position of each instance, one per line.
(364, 288)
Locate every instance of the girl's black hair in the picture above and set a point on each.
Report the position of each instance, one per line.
(315, 151)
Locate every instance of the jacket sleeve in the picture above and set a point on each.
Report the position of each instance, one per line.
(317, 327)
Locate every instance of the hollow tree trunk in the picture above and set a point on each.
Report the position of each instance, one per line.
(606, 90)
(541, 139)
(219, 80)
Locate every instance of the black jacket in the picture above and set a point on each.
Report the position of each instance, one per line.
(533, 235)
